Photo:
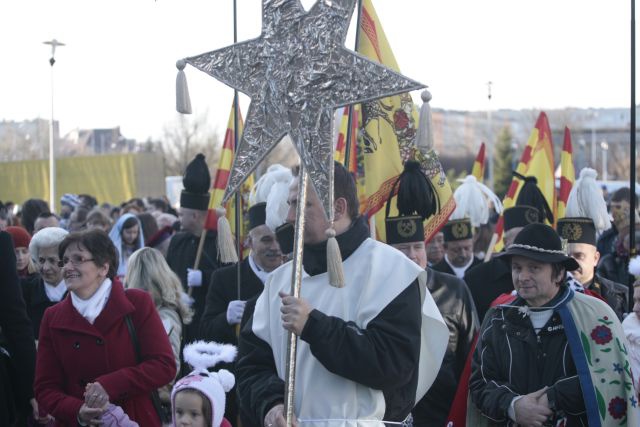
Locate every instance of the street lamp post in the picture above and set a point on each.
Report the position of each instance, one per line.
(605, 148)
(490, 144)
(52, 161)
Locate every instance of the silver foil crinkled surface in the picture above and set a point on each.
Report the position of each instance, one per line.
(296, 73)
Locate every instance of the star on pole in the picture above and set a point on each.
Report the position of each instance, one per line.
(296, 74)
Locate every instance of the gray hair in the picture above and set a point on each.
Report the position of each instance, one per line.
(46, 238)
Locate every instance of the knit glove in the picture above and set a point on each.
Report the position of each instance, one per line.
(235, 311)
(194, 278)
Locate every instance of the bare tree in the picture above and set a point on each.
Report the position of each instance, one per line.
(186, 137)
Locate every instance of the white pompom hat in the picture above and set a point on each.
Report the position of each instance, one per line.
(213, 385)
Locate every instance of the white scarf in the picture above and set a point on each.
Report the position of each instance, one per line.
(55, 292)
(91, 308)
(631, 326)
(262, 275)
(458, 271)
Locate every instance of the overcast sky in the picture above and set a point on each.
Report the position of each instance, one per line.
(118, 68)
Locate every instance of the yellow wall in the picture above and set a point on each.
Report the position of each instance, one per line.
(110, 178)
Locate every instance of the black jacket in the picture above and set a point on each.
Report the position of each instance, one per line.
(487, 281)
(222, 290)
(213, 324)
(615, 268)
(444, 267)
(383, 356)
(510, 360)
(36, 300)
(456, 306)
(181, 255)
(607, 241)
(16, 380)
(615, 294)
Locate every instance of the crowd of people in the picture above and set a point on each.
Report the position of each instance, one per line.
(98, 302)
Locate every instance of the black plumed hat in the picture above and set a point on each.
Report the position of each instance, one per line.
(197, 182)
(416, 201)
(520, 216)
(531, 195)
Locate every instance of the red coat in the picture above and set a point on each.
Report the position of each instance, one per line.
(72, 353)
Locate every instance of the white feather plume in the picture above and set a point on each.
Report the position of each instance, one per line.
(227, 379)
(472, 201)
(585, 200)
(203, 355)
(273, 189)
(634, 266)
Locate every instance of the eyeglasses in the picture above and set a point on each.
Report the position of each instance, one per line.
(75, 260)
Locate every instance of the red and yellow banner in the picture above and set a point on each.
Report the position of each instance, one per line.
(388, 133)
(536, 160)
(478, 164)
(567, 174)
(221, 180)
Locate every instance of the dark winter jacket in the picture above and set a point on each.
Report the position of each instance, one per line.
(214, 326)
(36, 300)
(181, 255)
(487, 281)
(615, 294)
(16, 378)
(454, 302)
(444, 267)
(510, 360)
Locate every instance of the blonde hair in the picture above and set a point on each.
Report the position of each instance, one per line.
(148, 270)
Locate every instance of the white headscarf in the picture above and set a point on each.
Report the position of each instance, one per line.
(116, 237)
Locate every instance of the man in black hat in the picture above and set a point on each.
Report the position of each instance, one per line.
(580, 234)
(181, 255)
(458, 248)
(488, 280)
(456, 306)
(529, 352)
(226, 300)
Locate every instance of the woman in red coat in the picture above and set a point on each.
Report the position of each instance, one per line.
(86, 358)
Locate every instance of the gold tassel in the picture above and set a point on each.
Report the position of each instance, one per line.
(334, 260)
(226, 244)
(183, 101)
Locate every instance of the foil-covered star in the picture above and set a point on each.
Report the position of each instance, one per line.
(296, 73)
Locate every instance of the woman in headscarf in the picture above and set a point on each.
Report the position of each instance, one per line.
(126, 235)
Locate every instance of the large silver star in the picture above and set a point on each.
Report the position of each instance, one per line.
(296, 73)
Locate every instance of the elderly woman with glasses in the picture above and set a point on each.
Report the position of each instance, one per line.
(101, 348)
(50, 288)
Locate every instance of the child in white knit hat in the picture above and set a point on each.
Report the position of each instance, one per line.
(198, 400)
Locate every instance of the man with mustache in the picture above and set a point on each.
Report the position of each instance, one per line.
(458, 248)
(580, 234)
(226, 299)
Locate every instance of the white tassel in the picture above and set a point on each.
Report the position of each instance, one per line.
(472, 201)
(183, 102)
(424, 138)
(585, 200)
(226, 245)
(334, 261)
